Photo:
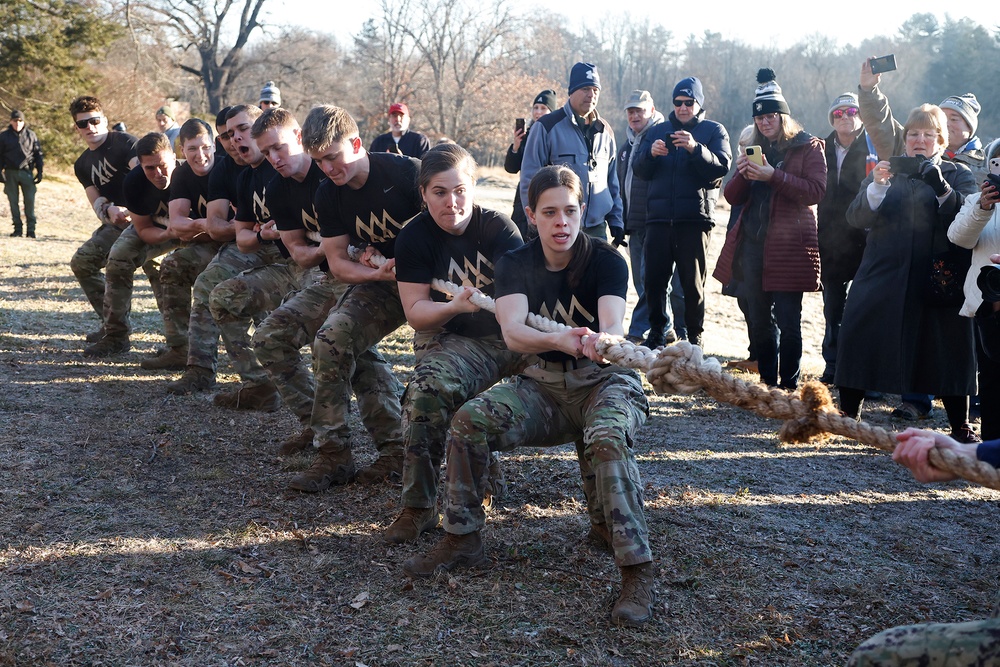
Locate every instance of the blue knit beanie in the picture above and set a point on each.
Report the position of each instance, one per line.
(583, 75)
(690, 87)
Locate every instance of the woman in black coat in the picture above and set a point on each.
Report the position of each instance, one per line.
(544, 103)
(895, 338)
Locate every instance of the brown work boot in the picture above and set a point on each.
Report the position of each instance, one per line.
(333, 465)
(299, 442)
(600, 537)
(410, 523)
(195, 379)
(450, 553)
(263, 397)
(634, 607)
(384, 467)
(108, 346)
(172, 359)
(95, 336)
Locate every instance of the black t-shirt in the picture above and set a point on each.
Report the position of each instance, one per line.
(374, 213)
(523, 271)
(144, 198)
(292, 204)
(251, 193)
(186, 184)
(223, 182)
(424, 252)
(107, 167)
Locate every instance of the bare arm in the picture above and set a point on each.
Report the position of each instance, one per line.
(512, 314)
(303, 254)
(217, 222)
(149, 232)
(424, 314)
(181, 226)
(347, 271)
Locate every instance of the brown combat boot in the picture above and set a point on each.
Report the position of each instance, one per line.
(173, 359)
(108, 347)
(333, 465)
(384, 467)
(410, 523)
(195, 378)
(450, 553)
(299, 442)
(634, 607)
(95, 336)
(263, 397)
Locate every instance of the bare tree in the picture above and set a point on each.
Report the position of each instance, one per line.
(203, 27)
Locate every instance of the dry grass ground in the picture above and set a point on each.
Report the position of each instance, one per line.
(138, 528)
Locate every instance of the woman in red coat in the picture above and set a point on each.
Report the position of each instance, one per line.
(771, 254)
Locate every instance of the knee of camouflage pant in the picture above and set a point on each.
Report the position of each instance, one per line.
(229, 300)
(119, 268)
(606, 443)
(86, 262)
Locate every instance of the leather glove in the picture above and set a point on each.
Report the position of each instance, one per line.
(38, 176)
(930, 174)
(618, 236)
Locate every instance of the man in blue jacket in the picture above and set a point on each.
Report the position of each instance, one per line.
(684, 160)
(578, 138)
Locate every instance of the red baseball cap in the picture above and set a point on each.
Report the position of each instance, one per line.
(399, 107)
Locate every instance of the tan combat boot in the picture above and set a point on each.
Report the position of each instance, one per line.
(333, 465)
(452, 552)
(634, 607)
(173, 359)
(263, 397)
(299, 442)
(410, 523)
(108, 347)
(195, 378)
(384, 467)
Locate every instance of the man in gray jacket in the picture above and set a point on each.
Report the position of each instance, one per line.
(578, 138)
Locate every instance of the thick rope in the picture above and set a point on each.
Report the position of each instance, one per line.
(808, 414)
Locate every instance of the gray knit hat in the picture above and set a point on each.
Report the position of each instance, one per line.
(844, 101)
(270, 93)
(768, 98)
(967, 106)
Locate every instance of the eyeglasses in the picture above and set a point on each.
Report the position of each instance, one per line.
(926, 134)
(684, 103)
(850, 112)
(767, 118)
(93, 120)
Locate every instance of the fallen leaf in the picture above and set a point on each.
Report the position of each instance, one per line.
(104, 595)
(247, 567)
(360, 600)
(25, 606)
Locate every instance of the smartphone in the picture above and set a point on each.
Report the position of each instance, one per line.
(754, 155)
(904, 165)
(883, 64)
(518, 124)
(995, 166)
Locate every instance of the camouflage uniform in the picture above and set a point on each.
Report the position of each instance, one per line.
(368, 313)
(546, 406)
(249, 297)
(203, 332)
(128, 253)
(178, 272)
(278, 339)
(969, 644)
(88, 261)
(450, 370)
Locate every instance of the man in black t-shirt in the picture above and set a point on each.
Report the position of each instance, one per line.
(146, 193)
(367, 200)
(101, 170)
(188, 222)
(230, 183)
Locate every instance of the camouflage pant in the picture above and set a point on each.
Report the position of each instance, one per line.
(450, 370)
(203, 332)
(88, 261)
(277, 342)
(969, 644)
(542, 408)
(250, 297)
(367, 314)
(127, 254)
(178, 271)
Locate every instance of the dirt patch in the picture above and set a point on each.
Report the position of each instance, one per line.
(140, 528)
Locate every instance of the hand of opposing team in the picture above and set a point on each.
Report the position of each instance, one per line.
(914, 446)
(570, 341)
(590, 346)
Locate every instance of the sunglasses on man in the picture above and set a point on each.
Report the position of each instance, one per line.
(850, 112)
(95, 121)
(684, 103)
